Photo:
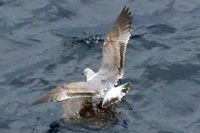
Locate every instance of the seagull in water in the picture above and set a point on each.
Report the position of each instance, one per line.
(100, 87)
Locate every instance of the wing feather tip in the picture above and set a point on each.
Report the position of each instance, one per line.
(37, 102)
(42, 100)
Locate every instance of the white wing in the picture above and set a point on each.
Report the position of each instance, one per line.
(114, 47)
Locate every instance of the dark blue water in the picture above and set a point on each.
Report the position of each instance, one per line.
(49, 42)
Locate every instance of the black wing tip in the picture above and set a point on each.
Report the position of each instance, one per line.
(36, 102)
(125, 87)
(129, 84)
(42, 100)
(127, 14)
(125, 8)
(127, 11)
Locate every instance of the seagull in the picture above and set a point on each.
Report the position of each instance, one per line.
(100, 87)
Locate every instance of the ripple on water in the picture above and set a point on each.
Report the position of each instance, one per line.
(46, 43)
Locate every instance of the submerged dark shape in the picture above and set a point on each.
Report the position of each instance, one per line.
(89, 117)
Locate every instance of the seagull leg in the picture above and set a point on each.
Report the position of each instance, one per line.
(119, 81)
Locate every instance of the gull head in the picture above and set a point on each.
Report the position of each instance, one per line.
(88, 73)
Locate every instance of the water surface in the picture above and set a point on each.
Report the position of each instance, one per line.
(46, 43)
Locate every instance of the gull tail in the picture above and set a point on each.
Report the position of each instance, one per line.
(67, 91)
(115, 94)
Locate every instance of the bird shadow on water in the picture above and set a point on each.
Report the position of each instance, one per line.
(95, 121)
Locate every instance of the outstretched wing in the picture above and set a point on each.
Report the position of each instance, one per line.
(114, 47)
(68, 91)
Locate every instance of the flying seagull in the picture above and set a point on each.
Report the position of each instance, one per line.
(100, 87)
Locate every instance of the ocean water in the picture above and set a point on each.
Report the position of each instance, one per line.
(50, 42)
